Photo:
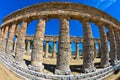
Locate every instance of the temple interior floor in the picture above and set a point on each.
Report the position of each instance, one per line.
(75, 64)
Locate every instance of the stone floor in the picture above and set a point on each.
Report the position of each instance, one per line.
(75, 64)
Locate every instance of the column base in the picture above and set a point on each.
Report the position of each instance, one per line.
(104, 66)
(88, 70)
(11, 58)
(45, 56)
(77, 58)
(21, 64)
(36, 68)
(62, 72)
(114, 62)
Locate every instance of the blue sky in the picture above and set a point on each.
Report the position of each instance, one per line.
(111, 7)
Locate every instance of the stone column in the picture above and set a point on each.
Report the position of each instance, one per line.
(77, 51)
(37, 51)
(118, 54)
(99, 50)
(20, 45)
(10, 39)
(28, 48)
(104, 47)
(15, 45)
(54, 50)
(46, 50)
(62, 66)
(113, 47)
(88, 48)
(95, 52)
(117, 43)
(1, 38)
(71, 55)
(4, 41)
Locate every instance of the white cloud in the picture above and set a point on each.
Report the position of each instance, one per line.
(104, 4)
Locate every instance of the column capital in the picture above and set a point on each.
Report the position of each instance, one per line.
(99, 24)
(43, 18)
(84, 19)
(64, 17)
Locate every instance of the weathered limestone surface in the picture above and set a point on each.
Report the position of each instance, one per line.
(62, 66)
(46, 50)
(113, 47)
(55, 38)
(15, 44)
(1, 38)
(10, 39)
(4, 40)
(28, 48)
(77, 50)
(54, 50)
(20, 45)
(118, 55)
(99, 50)
(95, 52)
(88, 48)
(117, 43)
(104, 47)
(37, 52)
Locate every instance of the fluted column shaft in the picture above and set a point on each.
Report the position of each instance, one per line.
(118, 54)
(10, 39)
(104, 47)
(113, 47)
(99, 50)
(77, 50)
(5, 36)
(63, 57)
(1, 38)
(54, 50)
(28, 47)
(117, 43)
(15, 45)
(20, 45)
(88, 48)
(46, 50)
(95, 52)
(37, 52)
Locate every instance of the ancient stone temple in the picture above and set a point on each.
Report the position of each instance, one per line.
(12, 52)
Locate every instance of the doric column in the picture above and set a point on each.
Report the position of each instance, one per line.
(88, 48)
(118, 54)
(54, 50)
(5, 36)
(37, 51)
(104, 47)
(113, 47)
(28, 47)
(77, 51)
(10, 39)
(1, 38)
(95, 52)
(117, 43)
(20, 45)
(99, 50)
(46, 50)
(15, 45)
(62, 66)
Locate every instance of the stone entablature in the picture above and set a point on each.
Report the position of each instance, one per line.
(54, 38)
(55, 10)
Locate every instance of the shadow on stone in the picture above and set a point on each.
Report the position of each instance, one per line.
(27, 62)
(50, 67)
